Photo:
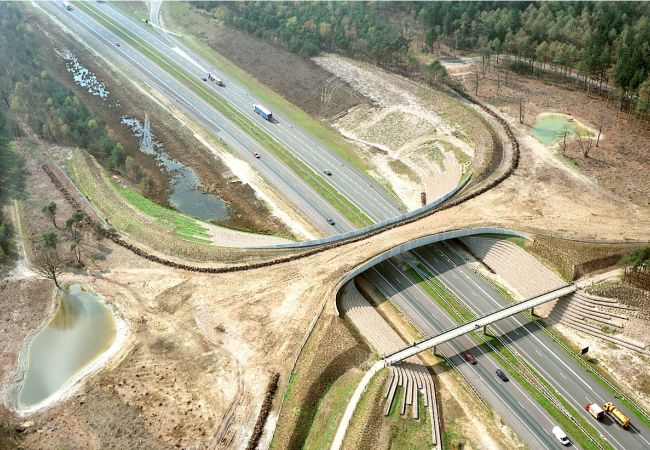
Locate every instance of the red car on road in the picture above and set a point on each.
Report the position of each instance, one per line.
(470, 358)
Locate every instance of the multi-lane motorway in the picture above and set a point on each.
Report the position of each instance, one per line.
(531, 422)
(446, 262)
(360, 189)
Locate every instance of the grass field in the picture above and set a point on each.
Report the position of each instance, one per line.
(369, 428)
(132, 214)
(330, 409)
(327, 191)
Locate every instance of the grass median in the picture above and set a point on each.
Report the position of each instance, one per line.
(457, 310)
(296, 165)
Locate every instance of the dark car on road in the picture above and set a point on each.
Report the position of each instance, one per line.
(327, 172)
(501, 374)
(470, 358)
(331, 221)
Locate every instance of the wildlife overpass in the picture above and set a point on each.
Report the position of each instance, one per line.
(455, 332)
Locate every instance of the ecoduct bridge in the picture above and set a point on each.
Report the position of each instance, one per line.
(432, 342)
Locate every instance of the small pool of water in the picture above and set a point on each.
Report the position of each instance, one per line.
(81, 329)
(186, 192)
(549, 128)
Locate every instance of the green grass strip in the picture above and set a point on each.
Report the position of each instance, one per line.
(184, 226)
(327, 191)
(461, 315)
(554, 335)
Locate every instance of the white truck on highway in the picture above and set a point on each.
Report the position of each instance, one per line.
(217, 81)
(595, 410)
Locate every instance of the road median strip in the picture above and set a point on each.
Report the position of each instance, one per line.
(295, 164)
(553, 402)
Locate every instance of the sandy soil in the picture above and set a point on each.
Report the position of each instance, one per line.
(624, 147)
(404, 124)
(196, 367)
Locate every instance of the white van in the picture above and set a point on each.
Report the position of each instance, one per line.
(560, 435)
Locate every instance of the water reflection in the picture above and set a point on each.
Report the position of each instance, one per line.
(186, 192)
(81, 329)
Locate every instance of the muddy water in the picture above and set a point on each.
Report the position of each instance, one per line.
(81, 329)
(186, 192)
(548, 129)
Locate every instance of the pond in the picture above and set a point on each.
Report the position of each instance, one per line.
(549, 128)
(186, 192)
(80, 331)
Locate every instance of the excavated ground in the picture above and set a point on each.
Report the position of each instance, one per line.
(201, 348)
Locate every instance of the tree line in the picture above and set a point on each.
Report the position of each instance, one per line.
(306, 28)
(32, 95)
(12, 179)
(605, 42)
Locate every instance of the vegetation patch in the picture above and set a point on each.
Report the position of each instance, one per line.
(396, 129)
(370, 429)
(327, 191)
(325, 375)
(184, 226)
(402, 169)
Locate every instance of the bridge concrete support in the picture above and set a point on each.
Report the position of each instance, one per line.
(419, 242)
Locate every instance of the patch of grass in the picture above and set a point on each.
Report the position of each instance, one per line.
(453, 437)
(402, 169)
(369, 425)
(180, 17)
(521, 242)
(431, 150)
(330, 410)
(324, 189)
(139, 10)
(462, 157)
(185, 226)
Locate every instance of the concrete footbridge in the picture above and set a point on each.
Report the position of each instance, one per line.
(448, 335)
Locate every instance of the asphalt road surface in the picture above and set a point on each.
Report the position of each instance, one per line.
(529, 420)
(564, 374)
(360, 189)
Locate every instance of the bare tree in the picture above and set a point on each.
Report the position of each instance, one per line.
(585, 144)
(600, 128)
(74, 226)
(563, 143)
(48, 263)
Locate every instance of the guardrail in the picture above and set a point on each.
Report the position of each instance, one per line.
(376, 226)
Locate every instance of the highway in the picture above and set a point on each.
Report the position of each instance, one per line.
(563, 373)
(358, 188)
(302, 196)
(509, 400)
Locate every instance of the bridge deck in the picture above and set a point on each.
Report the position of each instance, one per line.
(478, 323)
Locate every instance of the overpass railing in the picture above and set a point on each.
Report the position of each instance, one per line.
(432, 341)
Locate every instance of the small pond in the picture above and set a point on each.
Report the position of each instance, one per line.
(186, 192)
(81, 329)
(549, 128)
